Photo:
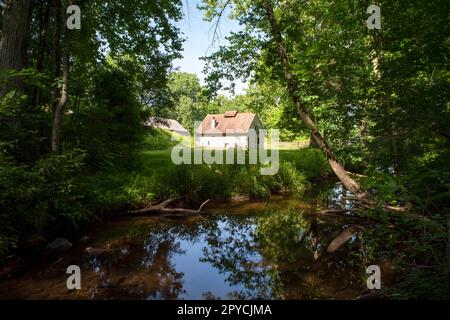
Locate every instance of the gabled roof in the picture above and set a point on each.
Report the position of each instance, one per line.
(166, 124)
(229, 122)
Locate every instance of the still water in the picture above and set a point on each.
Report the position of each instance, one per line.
(238, 250)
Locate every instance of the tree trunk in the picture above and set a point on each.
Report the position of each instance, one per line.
(388, 131)
(14, 41)
(292, 83)
(59, 110)
(363, 132)
(44, 24)
(448, 240)
(342, 238)
(312, 141)
(385, 102)
(56, 54)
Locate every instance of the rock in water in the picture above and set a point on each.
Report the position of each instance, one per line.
(93, 252)
(59, 245)
(85, 239)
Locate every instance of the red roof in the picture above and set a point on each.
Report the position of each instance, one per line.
(229, 122)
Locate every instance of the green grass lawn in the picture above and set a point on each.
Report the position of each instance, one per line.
(156, 177)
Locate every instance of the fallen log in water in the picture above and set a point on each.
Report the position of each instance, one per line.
(343, 237)
(344, 212)
(335, 245)
(162, 209)
(397, 212)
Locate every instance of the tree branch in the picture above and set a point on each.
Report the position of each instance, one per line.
(163, 210)
(217, 23)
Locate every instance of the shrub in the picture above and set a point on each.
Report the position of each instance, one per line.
(110, 127)
(249, 182)
(288, 179)
(311, 162)
(38, 198)
(158, 140)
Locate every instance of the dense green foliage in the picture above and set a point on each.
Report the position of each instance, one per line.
(379, 97)
(117, 74)
(270, 102)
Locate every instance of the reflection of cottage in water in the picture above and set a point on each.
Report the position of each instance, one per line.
(167, 124)
(229, 130)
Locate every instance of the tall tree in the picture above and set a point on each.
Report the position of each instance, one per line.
(293, 86)
(56, 47)
(44, 20)
(268, 37)
(188, 99)
(14, 41)
(57, 122)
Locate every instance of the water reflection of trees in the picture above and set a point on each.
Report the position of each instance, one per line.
(333, 197)
(277, 255)
(140, 265)
(232, 250)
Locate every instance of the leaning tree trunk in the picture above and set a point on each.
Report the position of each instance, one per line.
(59, 110)
(14, 41)
(292, 83)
